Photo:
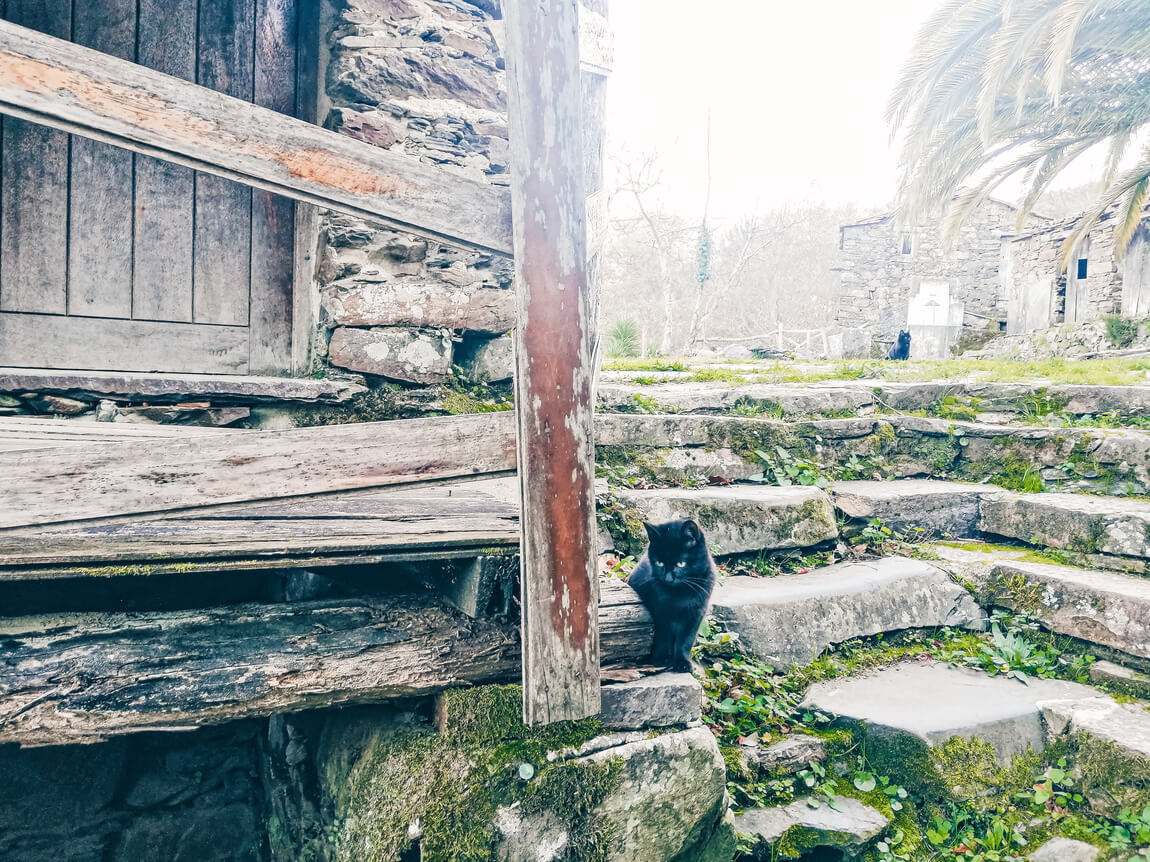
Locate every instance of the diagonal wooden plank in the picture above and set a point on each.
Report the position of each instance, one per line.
(130, 478)
(59, 84)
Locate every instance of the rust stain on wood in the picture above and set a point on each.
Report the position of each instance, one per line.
(148, 111)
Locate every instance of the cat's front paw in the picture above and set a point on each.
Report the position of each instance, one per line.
(679, 667)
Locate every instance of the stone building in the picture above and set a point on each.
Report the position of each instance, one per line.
(896, 277)
(1040, 293)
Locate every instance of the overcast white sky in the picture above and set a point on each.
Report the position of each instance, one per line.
(797, 91)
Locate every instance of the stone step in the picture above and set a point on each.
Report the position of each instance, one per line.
(861, 395)
(735, 519)
(792, 619)
(1116, 736)
(688, 448)
(660, 700)
(1075, 522)
(1105, 608)
(936, 507)
(907, 709)
(1065, 850)
(850, 825)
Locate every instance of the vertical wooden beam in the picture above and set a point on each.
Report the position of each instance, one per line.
(553, 363)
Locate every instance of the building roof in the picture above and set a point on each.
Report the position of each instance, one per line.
(883, 218)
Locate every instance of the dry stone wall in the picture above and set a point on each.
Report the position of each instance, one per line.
(423, 78)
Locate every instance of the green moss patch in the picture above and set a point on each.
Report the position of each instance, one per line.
(389, 786)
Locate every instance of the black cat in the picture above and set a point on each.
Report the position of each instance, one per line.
(674, 579)
(901, 348)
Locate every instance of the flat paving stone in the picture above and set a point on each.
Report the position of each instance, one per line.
(1076, 522)
(1105, 608)
(939, 508)
(791, 619)
(738, 519)
(935, 701)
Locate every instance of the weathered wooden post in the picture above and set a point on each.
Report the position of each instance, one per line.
(553, 368)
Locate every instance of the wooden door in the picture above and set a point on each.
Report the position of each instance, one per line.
(111, 260)
(1077, 288)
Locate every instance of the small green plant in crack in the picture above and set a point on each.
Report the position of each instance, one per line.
(1130, 829)
(877, 539)
(783, 468)
(1054, 790)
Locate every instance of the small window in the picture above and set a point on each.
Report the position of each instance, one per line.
(907, 244)
(1082, 263)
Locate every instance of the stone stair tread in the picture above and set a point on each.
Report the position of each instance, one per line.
(1126, 725)
(851, 822)
(935, 701)
(1079, 522)
(935, 505)
(741, 518)
(1105, 608)
(659, 700)
(793, 618)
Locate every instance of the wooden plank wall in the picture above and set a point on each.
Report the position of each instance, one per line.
(165, 193)
(134, 478)
(34, 199)
(115, 236)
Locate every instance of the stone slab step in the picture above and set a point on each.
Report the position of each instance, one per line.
(793, 618)
(1124, 680)
(802, 399)
(1126, 725)
(1075, 522)
(659, 700)
(679, 447)
(940, 508)
(907, 708)
(850, 824)
(861, 395)
(739, 519)
(1105, 608)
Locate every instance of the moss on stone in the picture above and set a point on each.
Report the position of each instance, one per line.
(1112, 779)
(452, 783)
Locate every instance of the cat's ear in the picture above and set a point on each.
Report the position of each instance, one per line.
(692, 535)
(652, 531)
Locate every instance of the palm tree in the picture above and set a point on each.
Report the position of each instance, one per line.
(1000, 88)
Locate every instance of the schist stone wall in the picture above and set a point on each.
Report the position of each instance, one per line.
(423, 78)
(885, 266)
(1041, 293)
